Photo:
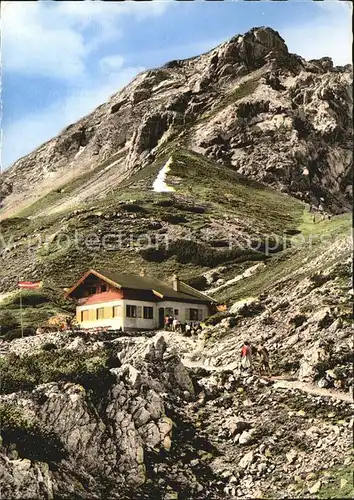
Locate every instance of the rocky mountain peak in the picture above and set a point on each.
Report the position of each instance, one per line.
(245, 53)
(231, 104)
(255, 45)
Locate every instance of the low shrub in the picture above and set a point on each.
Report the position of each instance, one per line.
(26, 372)
(173, 219)
(8, 322)
(164, 203)
(133, 208)
(33, 297)
(190, 208)
(298, 320)
(198, 282)
(152, 254)
(200, 254)
(319, 279)
(216, 318)
(49, 346)
(17, 333)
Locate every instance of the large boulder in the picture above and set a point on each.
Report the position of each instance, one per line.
(246, 307)
(314, 360)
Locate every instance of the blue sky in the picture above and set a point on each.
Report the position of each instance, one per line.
(62, 59)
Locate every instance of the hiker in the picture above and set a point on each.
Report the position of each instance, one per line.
(188, 329)
(170, 323)
(167, 322)
(176, 325)
(246, 357)
(263, 359)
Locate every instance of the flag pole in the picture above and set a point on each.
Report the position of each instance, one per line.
(21, 312)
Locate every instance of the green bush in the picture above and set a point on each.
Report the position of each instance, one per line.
(8, 322)
(26, 372)
(49, 346)
(17, 333)
(32, 297)
(216, 318)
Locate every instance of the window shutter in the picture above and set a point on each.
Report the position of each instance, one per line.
(188, 314)
(139, 311)
(200, 314)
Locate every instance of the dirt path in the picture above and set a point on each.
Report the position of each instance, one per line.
(189, 349)
(311, 389)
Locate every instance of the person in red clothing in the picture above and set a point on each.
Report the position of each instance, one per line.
(246, 356)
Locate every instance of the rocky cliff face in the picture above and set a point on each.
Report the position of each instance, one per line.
(95, 447)
(249, 104)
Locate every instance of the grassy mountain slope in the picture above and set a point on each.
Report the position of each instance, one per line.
(215, 216)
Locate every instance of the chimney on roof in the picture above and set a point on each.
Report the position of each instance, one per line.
(175, 282)
(142, 272)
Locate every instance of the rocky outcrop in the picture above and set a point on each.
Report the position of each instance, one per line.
(108, 439)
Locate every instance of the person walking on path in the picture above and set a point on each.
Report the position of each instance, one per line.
(246, 357)
(263, 359)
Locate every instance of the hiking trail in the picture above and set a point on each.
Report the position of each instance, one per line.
(280, 382)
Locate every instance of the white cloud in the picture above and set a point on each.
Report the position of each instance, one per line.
(32, 45)
(109, 63)
(328, 34)
(54, 38)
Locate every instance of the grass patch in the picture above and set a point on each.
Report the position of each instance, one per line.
(292, 261)
(192, 252)
(37, 307)
(340, 484)
(229, 193)
(335, 483)
(91, 370)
